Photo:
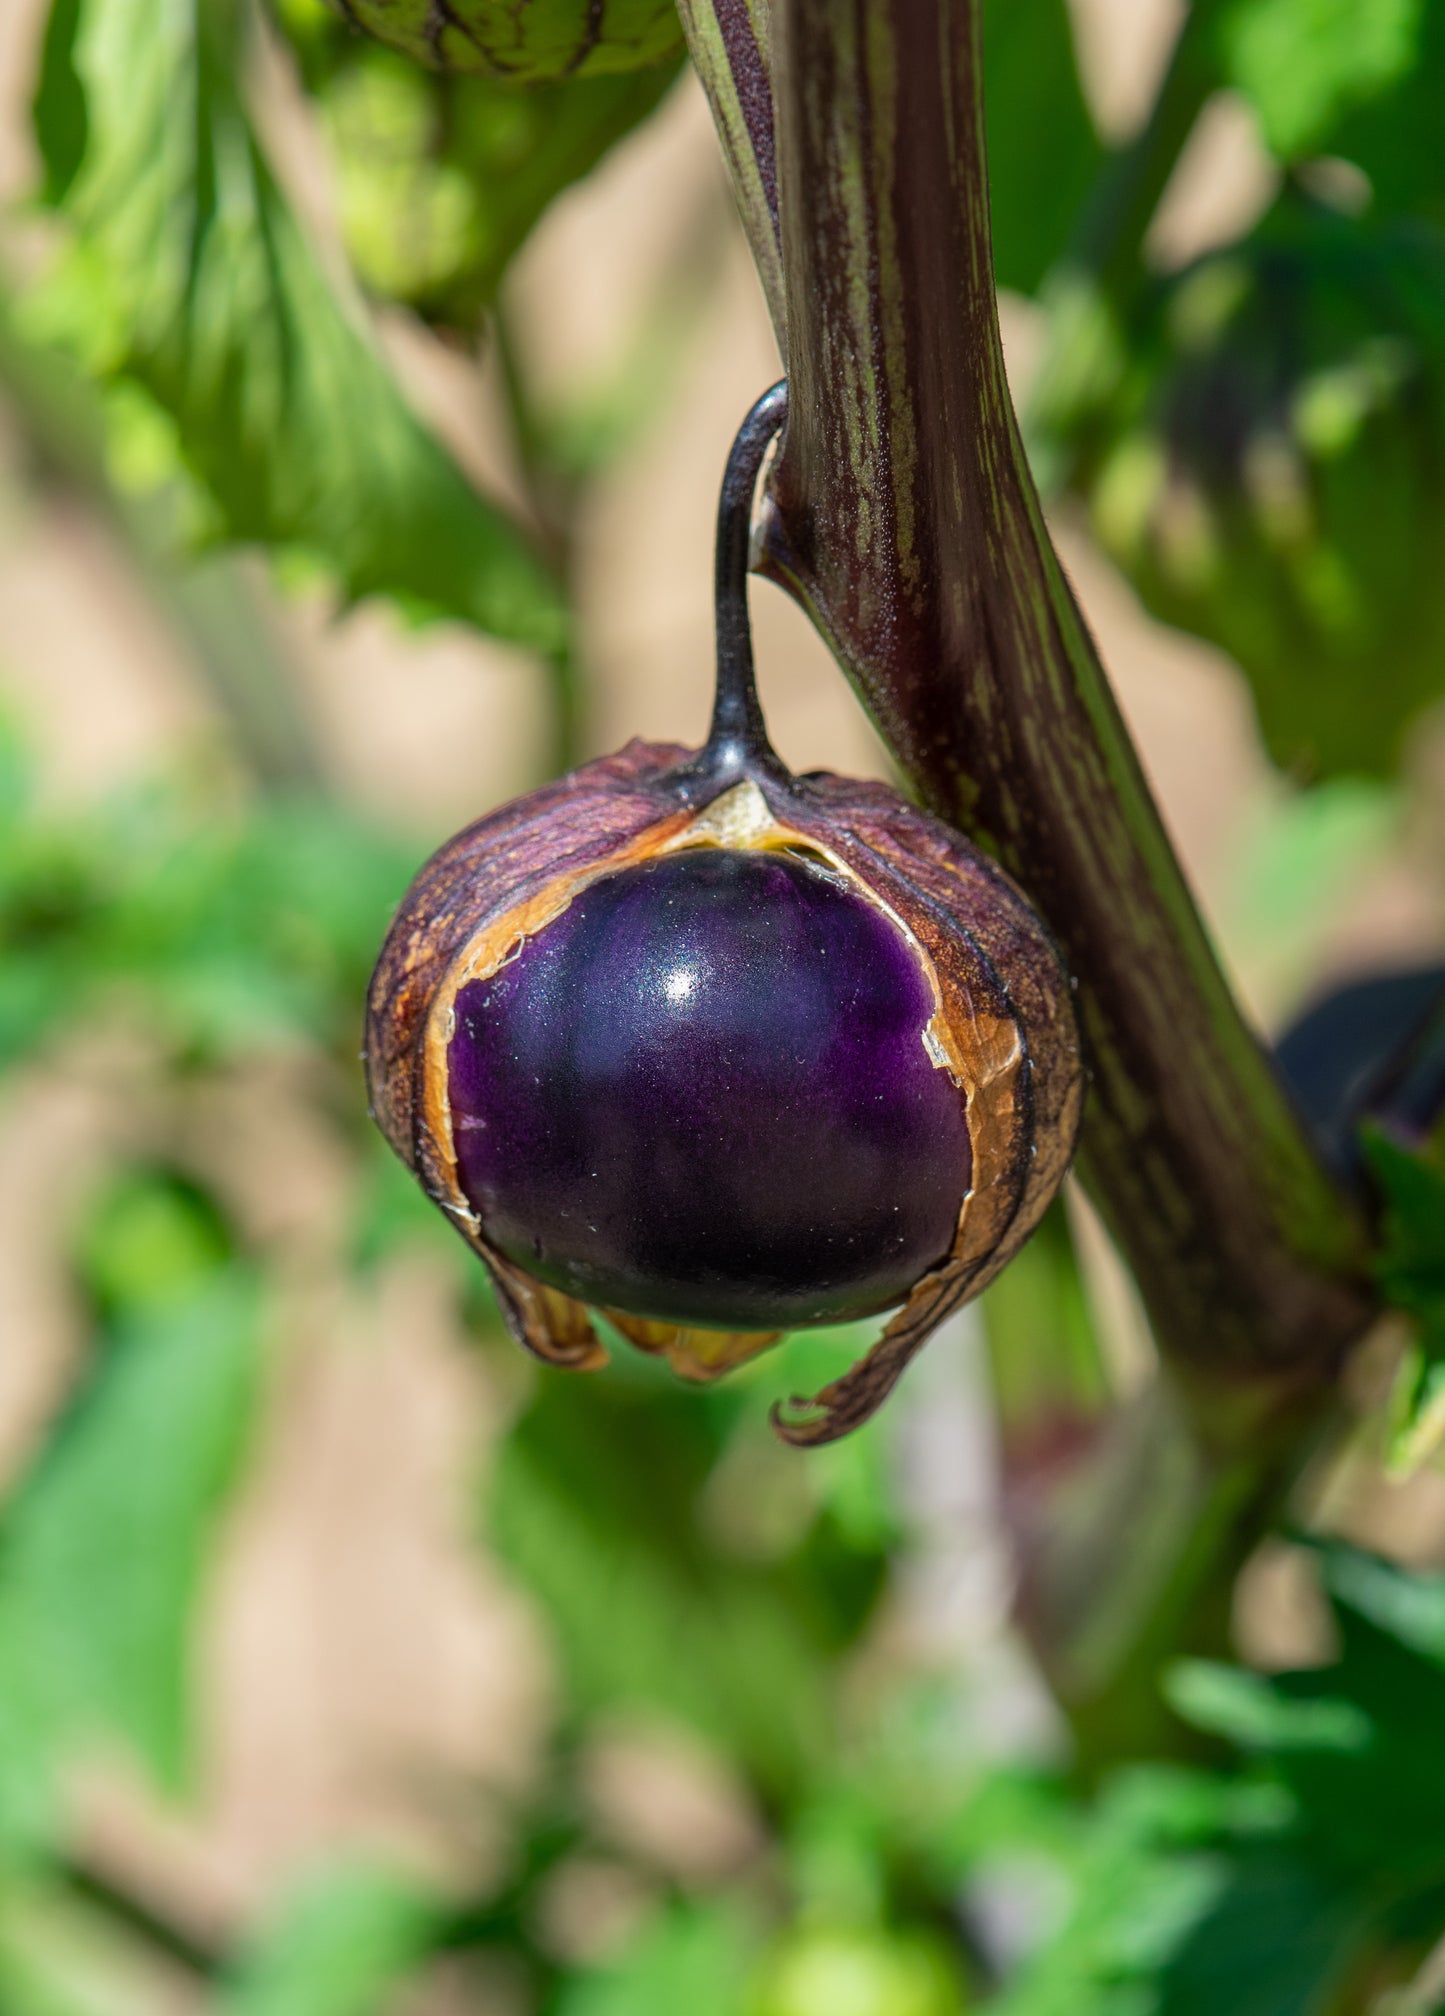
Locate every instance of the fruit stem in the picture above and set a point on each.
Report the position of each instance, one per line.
(738, 738)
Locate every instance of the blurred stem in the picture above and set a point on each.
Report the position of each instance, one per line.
(211, 607)
(247, 672)
(1091, 292)
(564, 455)
(132, 1914)
(1048, 1375)
(1121, 206)
(555, 499)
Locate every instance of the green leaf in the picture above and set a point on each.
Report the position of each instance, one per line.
(1261, 1893)
(1296, 862)
(1352, 1743)
(1395, 137)
(1043, 151)
(597, 1505)
(59, 109)
(197, 281)
(526, 41)
(1272, 474)
(1408, 1608)
(60, 1956)
(106, 1546)
(1411, 1262)
(221, 929)
(1139, 1883)
(1410, 1268)
(693, 1958)
(340, 1947)
(245, 929)
(1248, 1711)
(442, 177)
(1275, 1942)
(150, 1243)
(1303, 63)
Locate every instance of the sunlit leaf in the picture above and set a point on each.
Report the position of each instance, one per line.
(1395, 137)
(62, 1957)
(441, 177)
(820, 1970)
(195, 279)
(1303, 63)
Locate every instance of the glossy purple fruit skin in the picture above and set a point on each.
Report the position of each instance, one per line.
(701, 1094)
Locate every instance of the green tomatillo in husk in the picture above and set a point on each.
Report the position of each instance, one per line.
(726, 1052)
(525, 41)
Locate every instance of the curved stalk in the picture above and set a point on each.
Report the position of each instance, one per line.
(738, 736)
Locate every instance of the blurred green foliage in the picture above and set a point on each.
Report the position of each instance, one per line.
(1271, 472)
(1033, 88)
(1260, 436)
(1261, 439)
(191, 275)
(441, 175)
(345, 1940)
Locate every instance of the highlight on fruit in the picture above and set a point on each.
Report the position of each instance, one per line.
(725, 1052)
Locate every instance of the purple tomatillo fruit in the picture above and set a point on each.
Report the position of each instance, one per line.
(723, 1051)
(702, 1093)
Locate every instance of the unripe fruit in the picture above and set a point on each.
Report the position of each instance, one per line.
(858, 1971)
(525, 41)
(723, 1051)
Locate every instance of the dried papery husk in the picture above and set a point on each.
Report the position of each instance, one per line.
(1007, 1029)
(521, 862)
(1003, 1024)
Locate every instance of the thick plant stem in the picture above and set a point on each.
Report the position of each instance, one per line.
(729, 44)
(903, 517)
